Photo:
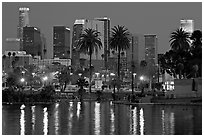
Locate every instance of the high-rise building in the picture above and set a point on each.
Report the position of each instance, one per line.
(61, 42)
(187, 25)
(44, 47)
(77, 31)
(32, 43)
(23, 22)
(151, 54)
(102, 25)
(106, 29)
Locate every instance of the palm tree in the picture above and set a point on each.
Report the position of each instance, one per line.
(13, 62)
(119, 41)
(9, 54)
(88, 43)
(4, 60)
(180, 40)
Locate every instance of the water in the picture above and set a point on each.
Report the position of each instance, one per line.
(106, 118)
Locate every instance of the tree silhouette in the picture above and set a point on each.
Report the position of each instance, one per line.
(119, 41)
(88, 42)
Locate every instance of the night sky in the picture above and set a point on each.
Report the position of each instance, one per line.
(144, 18)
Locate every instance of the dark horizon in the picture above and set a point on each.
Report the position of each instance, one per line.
(160, 18)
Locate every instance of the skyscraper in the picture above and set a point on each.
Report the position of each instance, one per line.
(23, 22)
(100, 56)
(151, 55)
(32, 43)
(106, 25)
(77, 31)
(61, 42)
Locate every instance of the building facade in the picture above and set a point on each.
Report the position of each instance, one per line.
(61, 42)
(32, 42)
(12, 44)
(23, 22)
(106, 35)
(16, 59)
(187, 25)
(77, 31)
(151, 55)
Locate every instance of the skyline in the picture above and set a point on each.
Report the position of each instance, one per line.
(145, 18)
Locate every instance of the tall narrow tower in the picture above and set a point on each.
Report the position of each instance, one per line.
(23, 22)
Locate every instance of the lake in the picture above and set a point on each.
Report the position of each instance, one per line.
(105, 118)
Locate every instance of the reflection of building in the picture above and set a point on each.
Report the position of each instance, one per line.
(187, 25)
(61, 42)
(32, 43)
(23, 22)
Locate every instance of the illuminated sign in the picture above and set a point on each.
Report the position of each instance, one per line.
(24, 9)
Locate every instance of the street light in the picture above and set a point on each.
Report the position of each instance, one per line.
(22, 80)
(79, 74)
(141, 78)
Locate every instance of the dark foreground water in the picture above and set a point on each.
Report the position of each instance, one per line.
(101, 118)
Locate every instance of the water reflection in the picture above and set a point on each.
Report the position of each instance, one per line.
(70, 117)
(105, 118)
(97, 118)
(45, 121)
(141, 122)
(112, 119)
(56, 118)
(33, 118)
(22, 120)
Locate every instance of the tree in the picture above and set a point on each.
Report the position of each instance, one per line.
(4, 60)
(64, 77)
(88, 43)
(180, 40)
(119, 41)
(9, 54)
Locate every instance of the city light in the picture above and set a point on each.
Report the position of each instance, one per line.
(22, 80)
(45, 78)
(141, 78)
(79, 74)
(112, 74)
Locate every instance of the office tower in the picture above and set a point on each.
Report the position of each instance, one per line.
(32, 43)
(23, 22)
(61, 42)
(138, 51)
(151, 55)
(187, 25)
(106, 29)
(77, 31)
(99, 27)
(44, 46)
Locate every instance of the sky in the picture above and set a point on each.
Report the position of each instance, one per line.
(143, 18)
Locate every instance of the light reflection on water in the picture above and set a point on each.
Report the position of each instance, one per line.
(141, 122)
(45, 121)
(22, 120)
(101, 118)
(97, 119)
(56, 118)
